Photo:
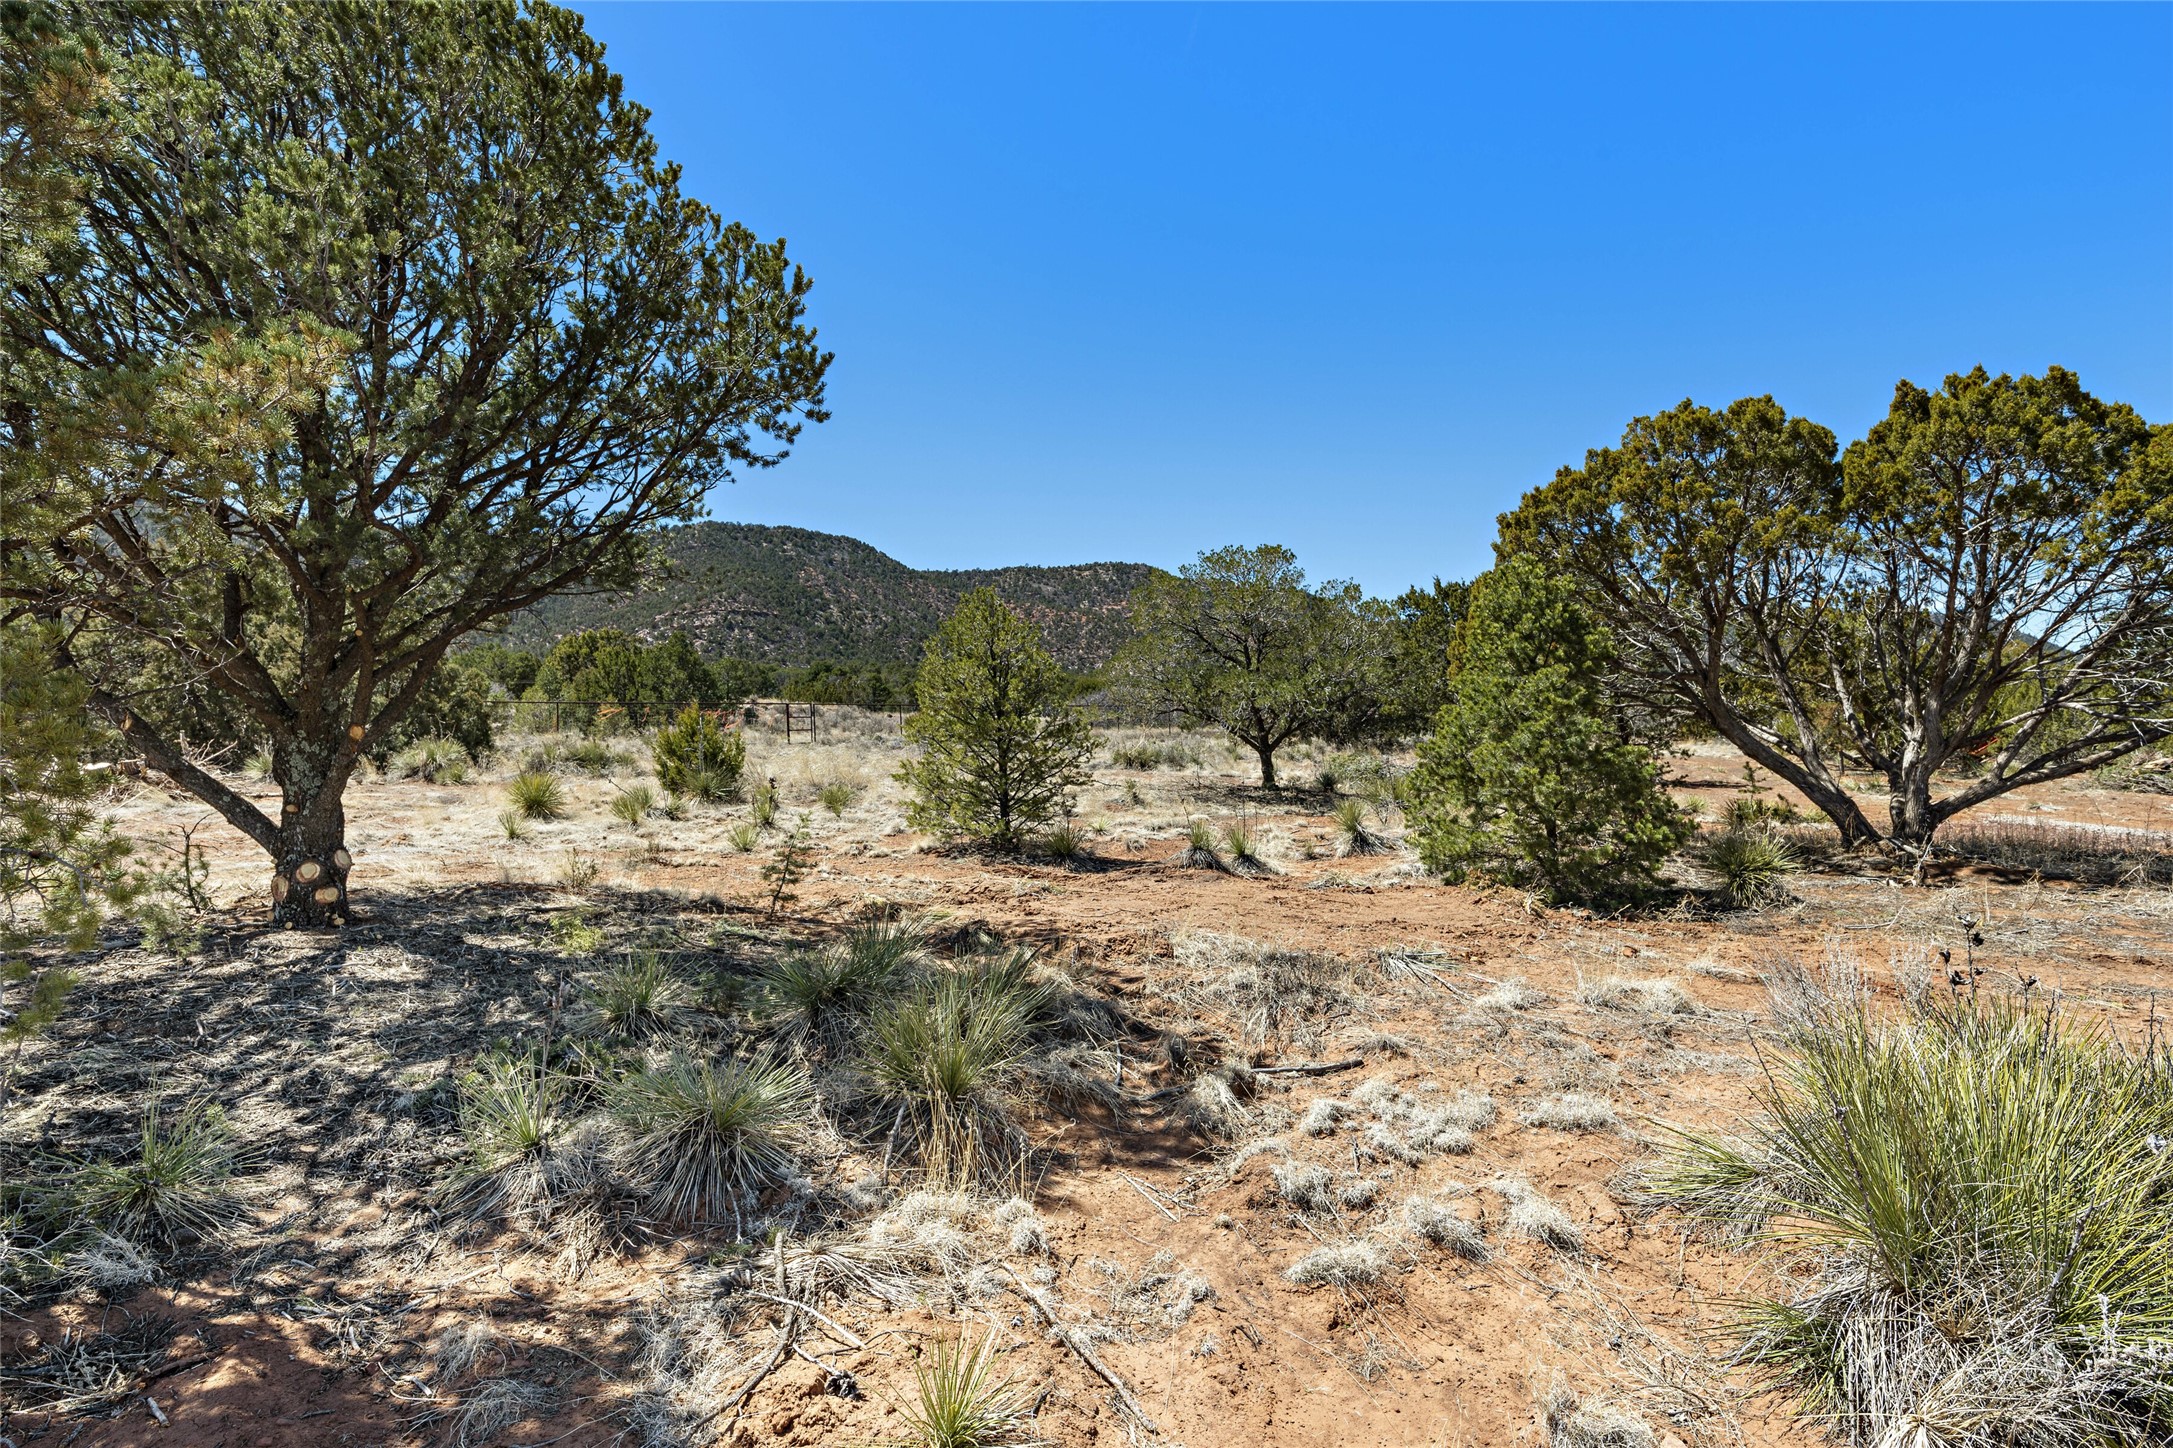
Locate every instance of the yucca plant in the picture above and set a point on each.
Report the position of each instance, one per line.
(762, 807)
(743, 837)
(1986, 1193)
(835, 797)
(950, 1055)
(1753, 866)
(962, 1402)
(513, 823)
(1063, 842)
(820, 997)
(537, 795)
(434, 760)
(632, 805)
(1242, 846)
(1199, 852)
(1354, 836)
(702, 1138)
(638, 998)
(178, 1187)
(508, 1119)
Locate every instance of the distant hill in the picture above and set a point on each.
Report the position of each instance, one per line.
(789, 596)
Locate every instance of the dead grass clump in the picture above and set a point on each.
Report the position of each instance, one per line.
(459, 1346)
(1322, 1117)
(1509, 996)
(1155, 1298)
(1532, 1216)
(495, 1405)
(1270, 992)
(1304, 1186)
(1432, 1222)
(1574, 1422)
(2091, 854)
(1341, 1264)
(1571, 1111)
(1409, 1126)
(1638, 997)
(1211, 1107)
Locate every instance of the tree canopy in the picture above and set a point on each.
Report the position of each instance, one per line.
(1237, 641)
(1983, 584)
(368, 325)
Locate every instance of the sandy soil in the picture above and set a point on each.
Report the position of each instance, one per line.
(323, 1317)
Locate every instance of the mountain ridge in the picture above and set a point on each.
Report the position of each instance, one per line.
(793, 596)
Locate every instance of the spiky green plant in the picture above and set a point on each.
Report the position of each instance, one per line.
(962, 1403)
(632, 805)
(640, 997)
(820, 996)
(762, 806)
(1753, 866)
(1200, 851)
(537, 795)
(835, 797)
(178, 1187)
(1063, 841)
(1985, 1193)
(744, 836)
(1354, 835)
(703, 1137)
(950, 1055)
(699, 759)
(435, 760)
(1242, 846)
(513, 823)
(508, 1118)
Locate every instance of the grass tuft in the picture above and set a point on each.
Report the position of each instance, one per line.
(702, 1138)
(639, 998)
(536, 794)
(822, 997)
(1754, 866)
(178, 1187)
(1354, 834)
(961, 1402)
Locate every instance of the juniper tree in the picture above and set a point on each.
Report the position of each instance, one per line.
(369, 325)
(1237, 641)
(1000, 752)
(1530, 776)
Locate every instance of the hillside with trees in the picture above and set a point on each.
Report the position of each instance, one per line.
(791, 596)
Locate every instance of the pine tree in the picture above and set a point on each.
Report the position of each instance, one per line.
(999, 751)
(1529, 777)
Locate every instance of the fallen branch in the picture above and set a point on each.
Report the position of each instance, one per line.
(1310, 1068)
(1126, 1402)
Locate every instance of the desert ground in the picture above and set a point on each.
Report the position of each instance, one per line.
(1318, 1057)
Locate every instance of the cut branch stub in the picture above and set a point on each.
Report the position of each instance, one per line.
(307, 871)
(328, 894)
(341, 861)
(279, 887)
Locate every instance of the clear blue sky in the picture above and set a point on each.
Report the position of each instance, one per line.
(1132, 281)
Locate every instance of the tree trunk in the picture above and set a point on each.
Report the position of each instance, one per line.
(1267, 764)
(1820, 788)
(310, 864)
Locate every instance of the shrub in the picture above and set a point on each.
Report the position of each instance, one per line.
(594, 757)
(1753, 866)
(962, 1404)
(702, 1139)
(835, 796)
(632, 805)
(1340, 1264)
(1243, 847)
(744, 836)
(1984, 1188)
(178, 1187)
(1000, 752)
(576, 871)
(508, 1119)
(537, 795)
(639, 997)
(950, 1055)
(1199, 852)
(762, 809)
(697, 759)
(435, 760)
(1527, 778)
(1063, 842)
(821, 996)
(789, 867)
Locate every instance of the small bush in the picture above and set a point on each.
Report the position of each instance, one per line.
(961, 1402)
(434, 761)
(835, 797)
(537, 795)
(820, 997)
(577, 871)
(762, 808)
(1753, 866)
(639, 998)
(1985, 1189)
(1200, 852)
(1353, 835)
(632, 805)
(1063, 842)
(697, 759)
(594, 757)
(179, 1186)
(508, 1119)
(1343, 1264)
(702, 1139)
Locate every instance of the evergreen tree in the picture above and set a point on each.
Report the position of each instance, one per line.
(1529, 777)
(999, 751)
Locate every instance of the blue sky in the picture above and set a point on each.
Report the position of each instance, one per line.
(1128, 282)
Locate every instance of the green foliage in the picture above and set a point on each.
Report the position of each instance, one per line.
(640, 997)
(1984, 580)
(574, 934)
(510, 671)
(458, 704)
(1527, 777)
(744, 836)
(1000, 754)
(1063, 842)
(961, 1402)
(835, 797)
(1988, 1190)
(703, 1138)
(176, 1189)
(451, 340)
(762, 806)
(696, 759)
(509, 1119)
(537, 795)
(1753, 865)
(1152, 754)
(950, 1054)
(789, 867)
(434, 760)
(632, 805)
(819, 997)
(1422, 649)
(594, 757)
(1238, 642)
(1354, 835)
